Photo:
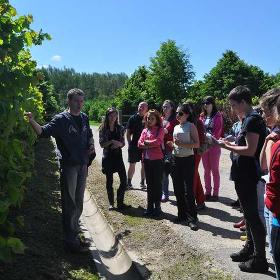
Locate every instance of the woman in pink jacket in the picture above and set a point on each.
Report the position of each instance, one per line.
(213, 123)
(151, 141)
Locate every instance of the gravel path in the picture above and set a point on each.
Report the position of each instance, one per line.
(216, 236)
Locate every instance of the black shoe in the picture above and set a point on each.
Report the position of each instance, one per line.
(123, 206)
(84, 244)
(244, 254)
(208, 197)
(200, 207)
(143, 186)
(215, 198)
(111, 207)
(129, 187)
(157, 212)
(77, 248)
(179, 221)
(254, 265)
(193, 226)
(235, 204)
(148, 213)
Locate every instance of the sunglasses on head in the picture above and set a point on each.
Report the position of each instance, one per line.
(180, 113)
(207, 103)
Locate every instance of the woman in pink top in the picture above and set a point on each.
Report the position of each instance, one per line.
(214, 125)
(151, 141)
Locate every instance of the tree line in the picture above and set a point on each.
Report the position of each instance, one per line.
(170, 75)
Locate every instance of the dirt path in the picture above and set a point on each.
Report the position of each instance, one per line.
(156, 249)
(216, 237)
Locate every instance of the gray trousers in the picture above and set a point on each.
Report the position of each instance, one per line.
(73, 182)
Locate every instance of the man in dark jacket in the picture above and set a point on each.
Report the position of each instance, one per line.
(75, 144)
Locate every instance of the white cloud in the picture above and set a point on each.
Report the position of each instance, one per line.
(42, 66)
(56, 58)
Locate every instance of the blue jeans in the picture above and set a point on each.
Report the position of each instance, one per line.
(268, 221)
(165, 185)
(260, 193)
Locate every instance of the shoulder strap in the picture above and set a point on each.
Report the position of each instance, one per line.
(210, 123)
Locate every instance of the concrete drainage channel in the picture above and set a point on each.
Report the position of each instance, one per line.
(109, 255)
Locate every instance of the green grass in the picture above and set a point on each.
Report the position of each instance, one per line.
(135, 221)
(94, 123)
(45, 257)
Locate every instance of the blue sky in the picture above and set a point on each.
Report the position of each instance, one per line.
(120, 35)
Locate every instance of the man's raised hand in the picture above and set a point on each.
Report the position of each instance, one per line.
(29, 116)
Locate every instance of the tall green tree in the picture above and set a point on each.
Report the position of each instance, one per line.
(171, 73)
(230, 72)
(276, 80)
(49, 99)
(134, 91)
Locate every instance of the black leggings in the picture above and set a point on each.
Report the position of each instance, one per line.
(153, 172)
(109, 184)
(247, 194)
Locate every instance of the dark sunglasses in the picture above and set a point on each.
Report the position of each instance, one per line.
(180, 113)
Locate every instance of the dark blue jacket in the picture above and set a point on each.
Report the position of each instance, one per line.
(72, 145)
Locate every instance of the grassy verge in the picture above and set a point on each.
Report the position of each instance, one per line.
(164, 253)
(94, 123)
(45, 257)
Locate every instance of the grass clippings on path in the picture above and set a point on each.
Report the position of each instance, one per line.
(164, 253)
(45, 257)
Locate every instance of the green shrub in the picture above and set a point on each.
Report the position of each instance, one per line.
(18, 94)
(96, 109)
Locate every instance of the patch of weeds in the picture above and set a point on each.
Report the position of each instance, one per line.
(82, 274)
(45, 257)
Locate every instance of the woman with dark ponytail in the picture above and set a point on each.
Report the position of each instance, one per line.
(185, 140)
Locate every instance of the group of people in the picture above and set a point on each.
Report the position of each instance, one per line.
(166, 143)
(172, 143)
